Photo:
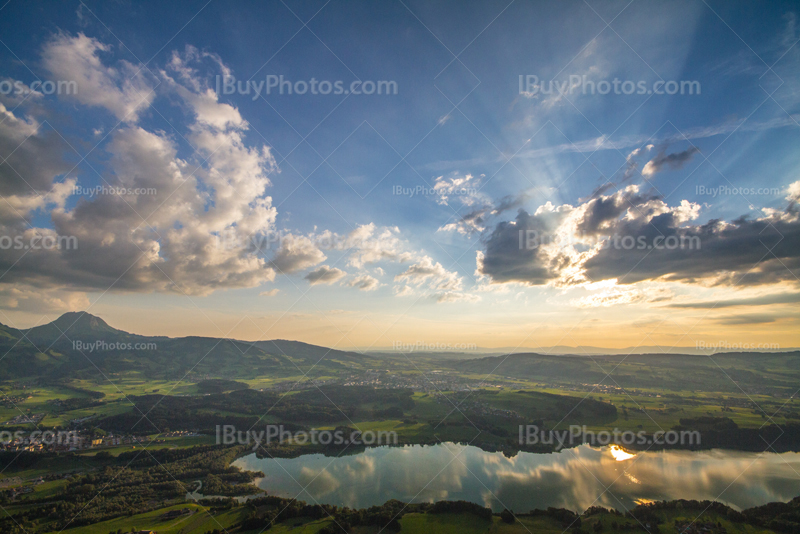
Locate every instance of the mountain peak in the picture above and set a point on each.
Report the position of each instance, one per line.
(73, 326)
(82, 318)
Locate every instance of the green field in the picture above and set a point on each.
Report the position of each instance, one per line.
(201, 520)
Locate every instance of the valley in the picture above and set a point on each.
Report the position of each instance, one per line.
(157, 412)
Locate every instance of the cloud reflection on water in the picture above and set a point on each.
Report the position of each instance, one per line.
(574, 478)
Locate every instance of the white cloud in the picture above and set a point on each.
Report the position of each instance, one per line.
(613, 295)
(432, 274)
(167, 241)
(25, 298)
(125, 90)
(793, 192)
(403, 291)
(464, 226)
(201, 101)
(269, 293)
(170, 240)
(465, 189)
(368, 244)
(296, 253)
(15, 208)
(455, 296)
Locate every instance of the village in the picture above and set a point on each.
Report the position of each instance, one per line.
(76, 440)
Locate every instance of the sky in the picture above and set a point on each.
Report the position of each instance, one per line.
(447, 174)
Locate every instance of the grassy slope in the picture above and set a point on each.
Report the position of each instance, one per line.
(201, 521)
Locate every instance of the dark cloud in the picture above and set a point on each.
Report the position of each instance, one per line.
(510, 202)
(474, 220)
(599, 191)
(633, 237)
(742, 253)
(766, 300)
(673, 161)
(631, 170)
(509, 257)
(325, 275)
(602, 210)
(31, 157)
(364, 283)
(753, 318)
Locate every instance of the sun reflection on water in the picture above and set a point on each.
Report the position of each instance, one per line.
(619, 454)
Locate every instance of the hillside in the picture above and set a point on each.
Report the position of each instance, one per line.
(78, 344)
(311, 354)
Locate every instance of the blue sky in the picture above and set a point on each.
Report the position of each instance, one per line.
(315, 178)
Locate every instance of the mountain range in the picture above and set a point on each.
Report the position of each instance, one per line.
(80, 344)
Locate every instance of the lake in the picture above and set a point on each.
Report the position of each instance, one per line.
(574, 478)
